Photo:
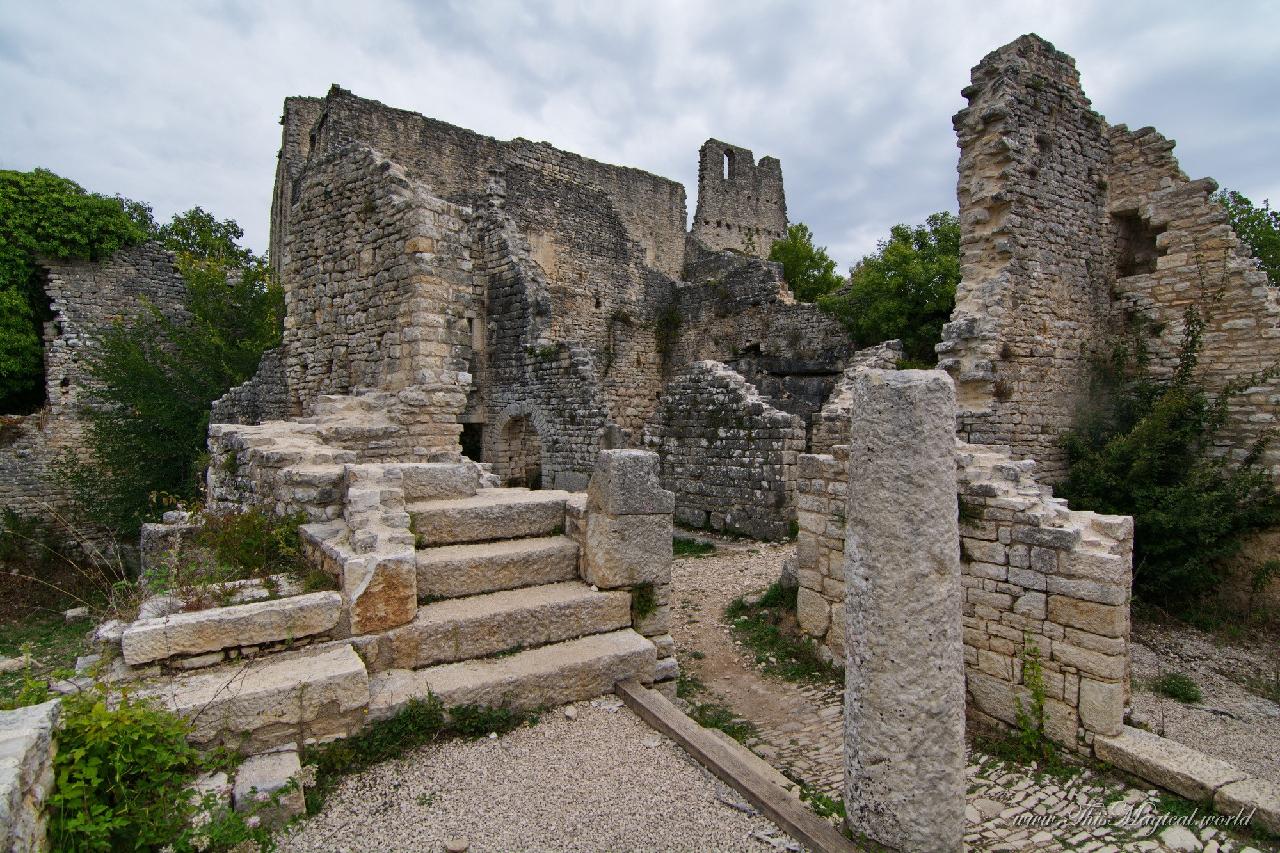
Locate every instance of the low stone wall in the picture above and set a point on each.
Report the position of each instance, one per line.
(727, 454)
(27, 748)
(1035, 574)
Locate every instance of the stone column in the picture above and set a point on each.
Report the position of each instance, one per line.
(904, 676)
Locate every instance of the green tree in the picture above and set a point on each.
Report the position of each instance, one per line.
(807, 268)
(158, 374)
(1143, 447)
(906, 289)
(43, 215)
(1259, 227)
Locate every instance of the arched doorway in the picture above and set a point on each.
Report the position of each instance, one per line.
(520, 453)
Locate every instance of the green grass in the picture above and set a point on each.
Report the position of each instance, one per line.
(683, 546)
(821, 804)
(770, 630)
(1177, 685)
(714, 715)
(418, 723)
(53, 643)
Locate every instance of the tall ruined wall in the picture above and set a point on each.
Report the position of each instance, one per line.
(607, 239)
(741, 203)
(455, 162)
(1034, 300)
(1073, 233)
(377, 282)
(1175, 249)
(86, 298)
(538, 396)
(300, 116)
(727, 454)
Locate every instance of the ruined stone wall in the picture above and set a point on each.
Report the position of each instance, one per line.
(86, 298)
(1175, 249)
(1075, 232)
(1034, 301)
(830, 425)
(300, 116)
(727, 454)
(263, 397)
(741, 203)
(738, 310)
(1032, 570)
(377, 282)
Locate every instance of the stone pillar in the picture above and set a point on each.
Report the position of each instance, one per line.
(628, 522)
(628, 545)
(904, 677)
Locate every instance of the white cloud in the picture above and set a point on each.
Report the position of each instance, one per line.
(177, 104)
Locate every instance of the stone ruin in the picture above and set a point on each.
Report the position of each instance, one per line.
(478, 331)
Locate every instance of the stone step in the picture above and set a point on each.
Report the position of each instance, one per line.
(460, 629)
(313, 694)
(450, 571)
(491, 514)
(543, 677)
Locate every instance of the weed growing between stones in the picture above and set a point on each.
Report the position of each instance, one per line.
(682, 546)
(770, 630)
(823, 805)
(418, 723)
(712, 715)
(1035, 745)
(1177, 685)
(643, 602)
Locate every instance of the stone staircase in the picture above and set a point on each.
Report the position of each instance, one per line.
(509, 610)
(504, 619)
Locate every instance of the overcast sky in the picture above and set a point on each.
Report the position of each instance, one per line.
(177, 103)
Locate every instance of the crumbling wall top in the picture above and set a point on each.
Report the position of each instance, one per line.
(741, 203)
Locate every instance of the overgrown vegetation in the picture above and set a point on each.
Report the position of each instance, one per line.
(906, 289)
(1178, 685)
(1259, 227)
(809, 270)
(1144, 448)
(418, 723)
(644, 602)
(157, 374)
(1034, 745)
(43, 215)
(683, 546)
(122, 781)
(770, 630)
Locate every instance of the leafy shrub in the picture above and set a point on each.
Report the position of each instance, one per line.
(120, 776)
(1258, 227)
(44, 215)
(1141, 448)
(905, 290)
(1177, 685)
(254, 542)
(808, 269)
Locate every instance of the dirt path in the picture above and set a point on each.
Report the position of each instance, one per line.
(800, 732)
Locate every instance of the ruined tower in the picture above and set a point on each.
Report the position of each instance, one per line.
(741, 203)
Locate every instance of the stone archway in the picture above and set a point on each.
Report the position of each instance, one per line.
(519, 447)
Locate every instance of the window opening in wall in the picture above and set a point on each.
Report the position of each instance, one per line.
(473, 441)
(728, 161)
(1135, 244)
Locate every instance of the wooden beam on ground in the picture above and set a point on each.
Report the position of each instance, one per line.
(726, 761)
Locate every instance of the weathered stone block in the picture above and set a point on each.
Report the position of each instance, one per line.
(1101, 705)
(627, 550)
(1104, 619)
(27, 749)
(229, 627)
(1166, 763)
(270, 786)
(813, 612)
(1259, 797)
(625, 482)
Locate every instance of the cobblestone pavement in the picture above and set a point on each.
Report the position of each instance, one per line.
(800, 732)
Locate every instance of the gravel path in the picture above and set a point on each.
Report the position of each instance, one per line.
(1232, 721)
(603, 781)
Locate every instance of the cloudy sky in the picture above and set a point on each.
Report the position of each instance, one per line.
(177, 103)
